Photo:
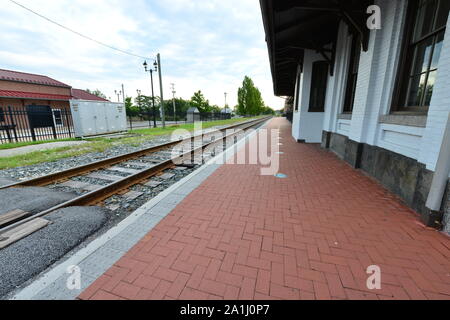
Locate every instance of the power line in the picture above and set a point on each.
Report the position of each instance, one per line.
(78, 33)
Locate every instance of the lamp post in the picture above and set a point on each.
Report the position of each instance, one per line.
(153, 94)
(174, 107)
(158, 63)
(139, 93)
(139, 98)
(118, 93)
(226, 106)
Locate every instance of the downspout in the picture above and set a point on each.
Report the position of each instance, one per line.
(440, 178)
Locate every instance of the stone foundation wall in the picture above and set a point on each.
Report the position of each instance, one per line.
(446, 220)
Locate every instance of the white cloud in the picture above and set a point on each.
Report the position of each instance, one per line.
(208, 45)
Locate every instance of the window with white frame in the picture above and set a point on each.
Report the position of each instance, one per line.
(424, 36)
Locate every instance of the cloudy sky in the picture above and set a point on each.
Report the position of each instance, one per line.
(207, 45)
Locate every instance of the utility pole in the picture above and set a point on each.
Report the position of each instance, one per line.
(150, 69)
(123, 94)
(174, 107)
(163, 116)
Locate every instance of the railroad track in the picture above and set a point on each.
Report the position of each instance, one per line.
(130, 169)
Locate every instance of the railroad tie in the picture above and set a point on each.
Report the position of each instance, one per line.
(124, 170)
(107, 177)
(12, 216)
(80, 185)
(9, 237)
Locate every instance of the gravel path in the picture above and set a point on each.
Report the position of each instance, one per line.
(38, 147)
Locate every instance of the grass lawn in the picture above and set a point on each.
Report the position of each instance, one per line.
(96, 145)
(189, 127)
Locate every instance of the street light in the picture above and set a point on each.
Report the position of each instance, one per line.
(139, 98)
(139, 92)
(174, 107)
(118, 93)
(147, 69)
(226, 106)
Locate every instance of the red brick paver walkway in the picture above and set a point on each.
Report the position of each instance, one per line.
(312, 235)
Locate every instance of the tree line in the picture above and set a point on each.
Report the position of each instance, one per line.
(143, 104)
(250, 102)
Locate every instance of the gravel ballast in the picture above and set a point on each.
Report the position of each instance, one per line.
(31, 199)
(41, 169)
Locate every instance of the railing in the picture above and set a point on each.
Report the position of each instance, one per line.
(34, 123)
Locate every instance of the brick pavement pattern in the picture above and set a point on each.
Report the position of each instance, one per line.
(312, 235)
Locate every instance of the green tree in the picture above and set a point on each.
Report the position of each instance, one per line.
(268, 111)
(97, 93)
(131, 109)
(199, 101)
(250, 101)
(215, 108)
(181, 107)
(145, 103)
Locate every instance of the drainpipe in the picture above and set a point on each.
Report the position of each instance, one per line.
(441, 176)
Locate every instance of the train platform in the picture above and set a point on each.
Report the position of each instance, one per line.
(316, 230)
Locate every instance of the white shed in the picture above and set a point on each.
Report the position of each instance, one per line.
(92, 118)
(192, 115)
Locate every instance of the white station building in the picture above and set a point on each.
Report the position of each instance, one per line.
(378, 97)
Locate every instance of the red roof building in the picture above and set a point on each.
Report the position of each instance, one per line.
(22, 77)
(79, 94)
(20, 89)
(33, 95)
(32, 92)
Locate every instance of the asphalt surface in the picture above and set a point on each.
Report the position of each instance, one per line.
(32, 199)
(30, 256)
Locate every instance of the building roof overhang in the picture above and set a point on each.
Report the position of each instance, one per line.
(293, 26)
(33, 96)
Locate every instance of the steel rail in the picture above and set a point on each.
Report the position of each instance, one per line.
(117, 186)
(79, 170)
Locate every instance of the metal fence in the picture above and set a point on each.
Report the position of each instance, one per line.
(148, 119)
(34, 123)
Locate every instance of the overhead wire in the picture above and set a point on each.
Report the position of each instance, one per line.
(79, 33)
